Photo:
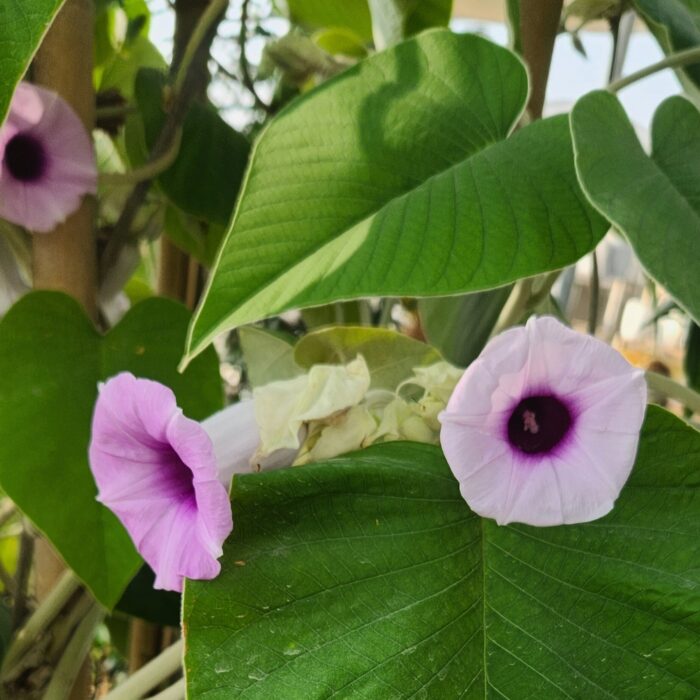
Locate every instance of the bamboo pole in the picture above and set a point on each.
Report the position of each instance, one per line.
(65, 259)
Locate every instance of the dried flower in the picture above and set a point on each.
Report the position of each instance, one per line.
(543, 426)
(47, 161)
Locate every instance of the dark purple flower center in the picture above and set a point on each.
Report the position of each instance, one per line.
(25, 157)
(538, 424)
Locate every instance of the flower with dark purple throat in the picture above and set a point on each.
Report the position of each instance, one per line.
(543, 426)
(47, 162)
(157, 471)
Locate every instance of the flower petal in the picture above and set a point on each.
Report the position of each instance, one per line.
(156, 470)
(580, 472)
(70, 169)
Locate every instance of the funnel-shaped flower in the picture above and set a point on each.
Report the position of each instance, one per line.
(543, 426)
(47, 161)
(156, 470)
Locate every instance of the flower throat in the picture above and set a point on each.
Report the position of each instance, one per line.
(538, 424)
(25, 158)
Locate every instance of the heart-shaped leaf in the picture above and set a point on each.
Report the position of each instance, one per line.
(23, 24)
(369, 577)
(394, 179)
(51, 360)
(654, 200)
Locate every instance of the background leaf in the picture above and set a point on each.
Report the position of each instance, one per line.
(654, 201)
(317, 14)
(141, 600)
(459, 326)
(353, 191)
(269, 357)
(390, 356)
(207, 173)
(23, 24)
(394, 20)
(47, 401)
(368, 576)
(676, 26)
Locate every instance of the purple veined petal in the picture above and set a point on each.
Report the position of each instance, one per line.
(543, 427)
(47, 162)
(156, 470)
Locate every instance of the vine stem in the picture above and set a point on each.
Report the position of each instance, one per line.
(37, 624)
(682, 58)
(199, 34)
(673, 390)
(74, 655)
(184, 84)
(151, 169)
(150, 675)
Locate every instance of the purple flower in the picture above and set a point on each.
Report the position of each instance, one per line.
(157, 471)
(543, 426)
(47, 161)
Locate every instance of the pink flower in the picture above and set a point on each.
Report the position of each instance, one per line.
(47, 161)
(543, 426)
(157, 471)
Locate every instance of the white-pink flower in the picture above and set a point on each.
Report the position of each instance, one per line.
(543, 426)
(47, 163)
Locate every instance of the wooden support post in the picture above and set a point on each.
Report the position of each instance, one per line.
(66, 259)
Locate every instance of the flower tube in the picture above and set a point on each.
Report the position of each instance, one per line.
(157, 471)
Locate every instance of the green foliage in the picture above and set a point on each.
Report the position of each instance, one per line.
(141, 600)
(460, 326)
(408, 16)
(120, 71)
(317, 14)
(401, 165)
(394, 20)
(390, 356)
(195, 236)
(654, 200)
(368, 576)
(23, 24)
(676, 26)
(51, 360)
(205, 178)
(269, 357)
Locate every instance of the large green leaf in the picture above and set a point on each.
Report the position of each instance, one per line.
(394, 179)
(654, 200)
(207, 173)
(390, 356)
(23, 24)
(51, 360)
(369, 577)
(676, 26)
